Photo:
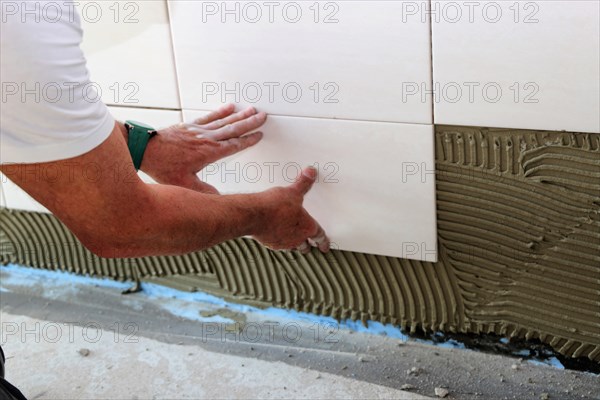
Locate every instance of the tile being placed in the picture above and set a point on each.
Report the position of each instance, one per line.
(344, 59)
(376, 188)
(128, 48)
(530, 65)
(16, 198)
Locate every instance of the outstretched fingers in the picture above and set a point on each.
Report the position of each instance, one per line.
(239, 128)
(230, 119)
(235, 145)
(216, 115)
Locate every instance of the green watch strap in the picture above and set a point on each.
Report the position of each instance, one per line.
(138, 136)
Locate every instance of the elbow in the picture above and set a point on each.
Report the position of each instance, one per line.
(98, 249)
(105, 247)
(107, 243)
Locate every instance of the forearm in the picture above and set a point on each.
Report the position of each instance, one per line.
(174, 220)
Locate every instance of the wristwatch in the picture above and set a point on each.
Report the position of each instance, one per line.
(139, 135)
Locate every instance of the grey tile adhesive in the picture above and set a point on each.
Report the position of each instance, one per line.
(519, 242)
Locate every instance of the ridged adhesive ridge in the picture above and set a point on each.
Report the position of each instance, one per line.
(519, 240)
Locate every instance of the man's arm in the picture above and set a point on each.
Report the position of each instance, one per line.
(113, 213)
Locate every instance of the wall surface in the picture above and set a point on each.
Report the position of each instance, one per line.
(517, 210)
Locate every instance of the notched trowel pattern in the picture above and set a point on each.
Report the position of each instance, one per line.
(518, 215)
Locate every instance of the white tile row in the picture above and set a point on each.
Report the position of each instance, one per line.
(129, 52)
(348, 59)
(500, 64)
(528, 64)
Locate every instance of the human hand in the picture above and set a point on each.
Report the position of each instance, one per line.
(287, 225)
(177, 154)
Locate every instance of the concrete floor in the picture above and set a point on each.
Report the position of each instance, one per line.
(71, 337)
(99, 364)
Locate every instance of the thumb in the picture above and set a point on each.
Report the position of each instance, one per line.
(305, 180)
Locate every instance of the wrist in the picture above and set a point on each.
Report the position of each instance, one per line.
(259, 212)
(153, 144)
(137, 136)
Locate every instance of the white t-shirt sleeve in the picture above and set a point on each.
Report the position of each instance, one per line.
(50, 110)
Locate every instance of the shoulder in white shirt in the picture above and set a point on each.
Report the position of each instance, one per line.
(50, 110)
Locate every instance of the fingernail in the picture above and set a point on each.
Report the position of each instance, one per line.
(310, 172)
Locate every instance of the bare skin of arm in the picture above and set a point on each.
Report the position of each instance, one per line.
(114, 214)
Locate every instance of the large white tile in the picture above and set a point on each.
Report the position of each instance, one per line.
(16, 198)
(543, 55)
(129, 52)
(355, 62)
(376, 189)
